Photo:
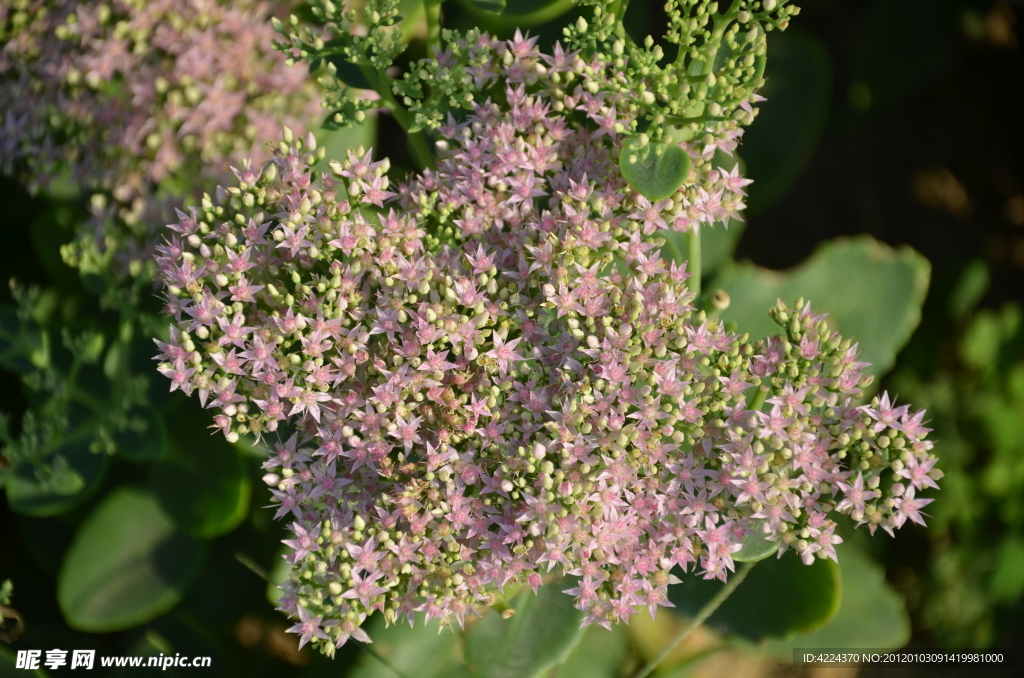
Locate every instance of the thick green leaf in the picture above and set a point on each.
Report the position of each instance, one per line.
(540, 635)
(421, 651)
(755, 547)
(492, 6)
(655, 171)
(780, 598)
(203, 484)
(338, 141)
(126, 565)
(872, 293)
(73, 484)
(599, 653)
(798, 88)
(346, 71)
(872, 613)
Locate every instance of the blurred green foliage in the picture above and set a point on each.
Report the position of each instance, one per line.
(973, 388)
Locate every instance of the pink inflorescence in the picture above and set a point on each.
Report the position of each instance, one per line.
(143, 102)
(502, 376)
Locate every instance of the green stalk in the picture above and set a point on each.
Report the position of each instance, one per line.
(618, 8)
(701, 617)
(503, 21)
(759, 397)
(433, 11)
(693, 256)
(417, 140)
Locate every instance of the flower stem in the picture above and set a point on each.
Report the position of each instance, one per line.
(417, 140)
(701, 617)
(508, 21)
(693, 260)
(759, 397)
(433, 11)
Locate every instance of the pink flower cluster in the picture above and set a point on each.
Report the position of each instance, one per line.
(143, 102)
(503, 376)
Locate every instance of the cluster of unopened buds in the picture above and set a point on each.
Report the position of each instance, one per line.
(494, 373)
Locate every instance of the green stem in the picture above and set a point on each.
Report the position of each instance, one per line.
(701, 617)
(421, 150)
(693, 260)
(618, 9)
(759, 397)
(433, 11)
(418, 141)
(508, 20)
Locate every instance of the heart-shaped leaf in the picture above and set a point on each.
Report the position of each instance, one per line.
(337, 140)
(419, 651)
(346, 71)
(126, 565)
(798, 86)
(599, 653)
(655, 171)
(871, 614)
(871, 292)
(755, 546)
(539, 636)
(203, 484)
(780, 598)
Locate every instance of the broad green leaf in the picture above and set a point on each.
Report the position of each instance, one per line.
(798, 89)
(871, 292)
(346, 71)
(424, 651)
(75, 482)
(540, 635)
(871, 614)
(655, 171)
(202, 485)
(599, 653)
(755, 547)
(780, 598)
(492, 6)
(126, 565)
(337, 142)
